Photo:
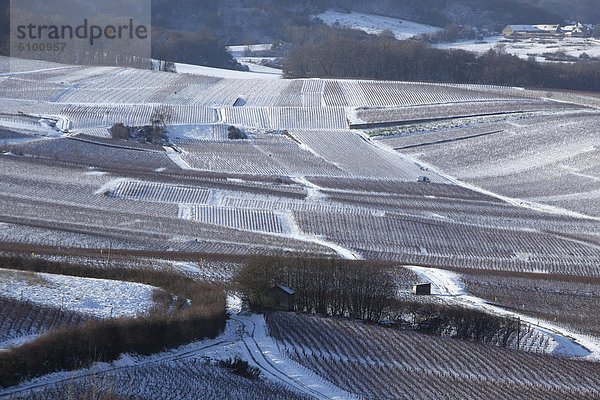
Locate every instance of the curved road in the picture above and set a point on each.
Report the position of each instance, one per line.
(249, 332)
(263, 350)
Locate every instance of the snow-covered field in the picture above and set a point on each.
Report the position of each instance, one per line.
(546, 162)
(376, 24)
(524, 48)
(244, 55)
(260, 69)
(329, 358)
(36, 127)
(256, 72)
(303, 182)
(96, 297)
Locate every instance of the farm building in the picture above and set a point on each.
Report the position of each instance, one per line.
(284, 298)
(577, 30)
(527, 31)
(532, 31)
(422, 289)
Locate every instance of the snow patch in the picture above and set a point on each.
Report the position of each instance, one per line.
(97, 297)
(314, 191)
(239, 50)
(222, 73)
(191, 132)
(234, 303)
(176, 158)
(96, 173)
(376, 24)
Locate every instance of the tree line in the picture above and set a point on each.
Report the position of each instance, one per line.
(199, 47)
(347, 54)
(4, 27)
(366, 291)
(237, 20)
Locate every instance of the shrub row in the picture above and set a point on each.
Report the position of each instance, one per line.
(456, 322)
(68, 348)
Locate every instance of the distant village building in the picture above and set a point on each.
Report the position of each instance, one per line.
(577, 30)
(552, 29)
(284, 298)
(422, 289)
(546, 30)
(528, 31)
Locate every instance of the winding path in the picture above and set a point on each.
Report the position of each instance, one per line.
(248, 332)
(94, 371)
(263, 350)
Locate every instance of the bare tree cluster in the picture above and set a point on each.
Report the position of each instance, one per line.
(326, 287)
(366, 291)
(235, 133)
(155, 132)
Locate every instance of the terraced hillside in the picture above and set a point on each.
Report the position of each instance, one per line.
(549, 159)
(446, 175)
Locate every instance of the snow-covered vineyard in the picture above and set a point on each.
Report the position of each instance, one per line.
(470, 177)
(305, 178)
(376, 362)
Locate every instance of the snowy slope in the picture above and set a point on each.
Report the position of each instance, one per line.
(245, 336)
(97, 297)
(261, 73)
(239, 50)
(369, 23)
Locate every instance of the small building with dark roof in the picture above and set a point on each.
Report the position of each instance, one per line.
(283, 298)
(422, 289)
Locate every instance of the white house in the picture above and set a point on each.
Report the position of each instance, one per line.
(576, 30)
